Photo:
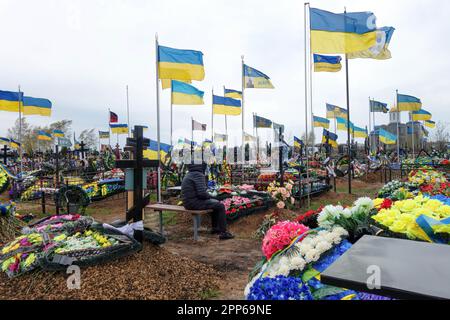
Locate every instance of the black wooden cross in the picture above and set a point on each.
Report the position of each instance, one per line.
(5, 154)
(136, 146)
(82, 149)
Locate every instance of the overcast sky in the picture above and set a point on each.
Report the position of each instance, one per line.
(81, 54)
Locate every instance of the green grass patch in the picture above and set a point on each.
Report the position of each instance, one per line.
(169, 218)
(209, 294)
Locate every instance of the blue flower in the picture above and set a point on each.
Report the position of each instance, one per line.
(279, 288)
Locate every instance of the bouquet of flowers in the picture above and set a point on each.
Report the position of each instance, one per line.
(309, 218)
(436, 189)
(236, 204)
(68, 224)
(82, 241)
(426, 175)
(282, 195)
(397, 190)
(4, 181)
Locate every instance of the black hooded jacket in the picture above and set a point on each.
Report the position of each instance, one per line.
(193, 187)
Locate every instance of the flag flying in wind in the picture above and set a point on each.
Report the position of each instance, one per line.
(180, 64)
(430, 124)
(58, 134)
(226, 106)
(327, 63)
(260, 122)
(342, 124)
(9, 101)
(376, 106)
(113, 117)
(229, 93)
(103, 134)
(37, 106)
(333, 33)
(5, 141)
(335, 111)
(408, 103)
(298, 143)
(119, 128)
(256, 79)
(14, 144)
(329, 137)
(185, 94)
(386, 137)
(319, 122)
(167, 83)
(380, 51)
(421, 115)
(152, 152)
(44, 136)
(197, 126)
(359, 132)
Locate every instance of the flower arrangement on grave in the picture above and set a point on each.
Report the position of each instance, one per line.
(426, 175)
(236, 204)
(4, 180)
(398, 190)
(282, 195)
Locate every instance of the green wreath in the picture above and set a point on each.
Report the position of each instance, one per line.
(73, 196)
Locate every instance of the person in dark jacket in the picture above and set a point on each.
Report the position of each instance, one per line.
(196, 197)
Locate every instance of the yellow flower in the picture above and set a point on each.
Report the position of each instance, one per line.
(377, 202)
(433, 204)
(444, 211)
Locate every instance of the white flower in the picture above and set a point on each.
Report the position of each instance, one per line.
(284, 270)
(312, 256)
(323, 246)
(284, 261)
(364, 202)
(297, 263)
(304, 248)
(347, 213)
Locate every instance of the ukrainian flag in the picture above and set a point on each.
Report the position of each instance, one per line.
(180, 64)
(229, 93)
(185, 94)
(319, 122)
(327, 63)
(152, 152)
(331, 111)
(380, 51)
(331, 137)
(333, 33)
(359, 132)
(119, 128)
(5, 141)
(37, 106)
(298, 143)
(408, 103)
(58, 133)
(430, 124)
(260, 122)
(387, 137)
(342, 124)
(376, 106)
(421, 115)
(9, 101)
(226, 106)
(254, 79)
(103, 134)
(167, 83)
(44, 136)
(14, 144)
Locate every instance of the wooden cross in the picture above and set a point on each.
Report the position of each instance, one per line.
(136, 146)
(5, 154)
(82, 149)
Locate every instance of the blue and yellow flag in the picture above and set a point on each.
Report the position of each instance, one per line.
(329, 137)
(298, 143)
(260, 122)
(180, 64)
(44, 136)
(58, 134)
(359, 132)
(380, 51)
(9, 101)
(117, 128)
(226, 106)
(37, 106)
(421, 115)
(335, 111)
(408, 103)
(254, 79)
(386, 137)
(185, 94)
(229, 93)
(167, 83)
(319, 122)
(152, 152)
(342, 124)
(376, 106)
(333, 33)
(14, 144)
(5, 141)
(327, 63)
(103, 134)
(430, 124)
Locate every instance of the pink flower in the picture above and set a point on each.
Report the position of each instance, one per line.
(280, 236)
(281, 205)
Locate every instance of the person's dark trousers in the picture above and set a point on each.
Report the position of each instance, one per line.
(218, 216)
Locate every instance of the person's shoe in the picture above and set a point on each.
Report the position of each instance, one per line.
(226, 236)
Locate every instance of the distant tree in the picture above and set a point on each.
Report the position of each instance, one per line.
(441, 135)
(311, 138)
(90, 138)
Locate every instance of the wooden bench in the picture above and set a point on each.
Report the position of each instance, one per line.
(197, 214)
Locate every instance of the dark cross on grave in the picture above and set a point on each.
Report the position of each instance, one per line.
(5, 154)
(82, 149)
(136, 146)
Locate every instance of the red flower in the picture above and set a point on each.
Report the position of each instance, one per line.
(233, 210)
(386, 204)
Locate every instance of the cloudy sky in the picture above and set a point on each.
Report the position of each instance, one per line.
(81, 54)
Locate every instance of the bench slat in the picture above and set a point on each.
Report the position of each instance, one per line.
(174, 208)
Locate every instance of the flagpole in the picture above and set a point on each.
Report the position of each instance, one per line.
(370, 125)
(109, 127)
(398, 127)
(212, 115)
(158, 117)
(413, 140)
(243, 110)
(306, 92)
(171, 116)
(20, 130)
(128, 112)
(192, 140)
(348, 119)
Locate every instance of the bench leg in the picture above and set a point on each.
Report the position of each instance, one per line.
(161, 223)
(197, 222)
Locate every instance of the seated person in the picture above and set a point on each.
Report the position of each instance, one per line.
(196, 197)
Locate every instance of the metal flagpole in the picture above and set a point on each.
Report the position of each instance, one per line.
(128, 113)
(171, 117)
(370, 124)
(212, 115)
(109, 127)
(243, 110)
(20, 130)
(412, 138)
(348, 122)
(306, 93)
(158, 118)
(192, 140)
(398, 127)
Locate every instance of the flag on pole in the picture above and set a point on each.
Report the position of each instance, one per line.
(359, 132)
(430, 124)
(424, 131)
(226, 106)
(44, 136)
(335, 111)
(408, 103)
(14, 144)
(277, 127)
(386, 137)
(103, 134)
(254, 79)
(380, 51)
(342, 124)
(185, 94)
(298, 143)
(376, 106)
(331, 137)
(220, 137)
(197, 126)
(113, 117)
(167, 83)
(333, 33)
(119, 128)
(229, 93)
(9, 101)
(180, 64)
(58, 134)
(260, 122)
(421, 115)
(5, 141)
(327, 63)
(37, 106)
(152, 152)
(320, 122)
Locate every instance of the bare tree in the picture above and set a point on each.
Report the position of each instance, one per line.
(441, 136)
(90, 138)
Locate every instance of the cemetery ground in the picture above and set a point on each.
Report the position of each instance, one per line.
(178, 269)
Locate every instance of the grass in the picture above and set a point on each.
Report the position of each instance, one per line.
(209, 294)
(169, 218)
